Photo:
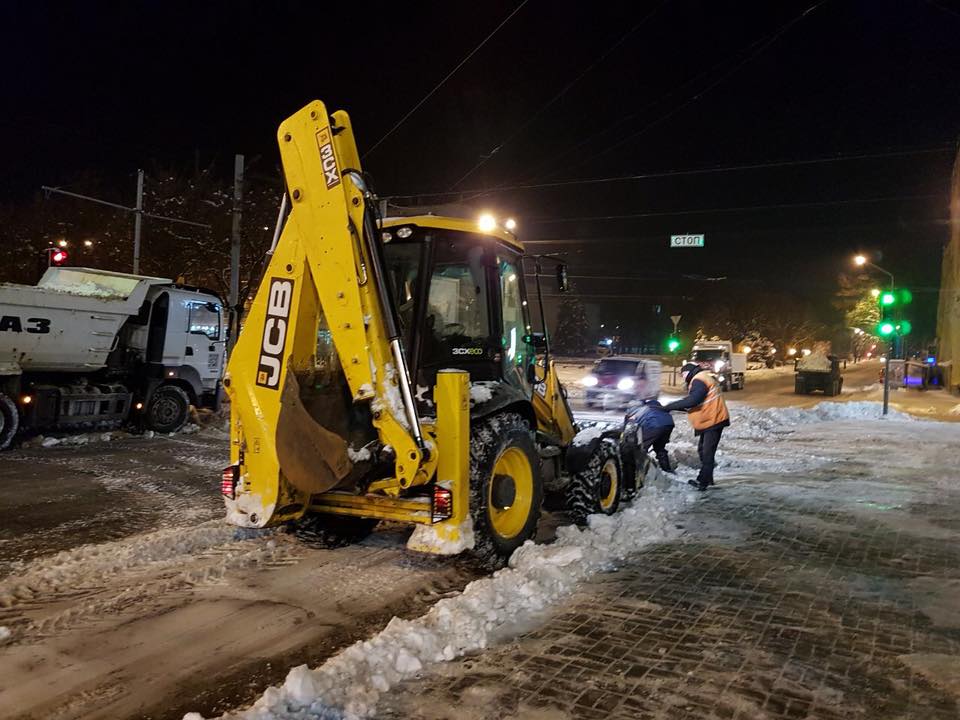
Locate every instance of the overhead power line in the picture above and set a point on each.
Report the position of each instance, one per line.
(743, 208)
(563, 91)
(759, 48)
(446, 77)
(480, 192)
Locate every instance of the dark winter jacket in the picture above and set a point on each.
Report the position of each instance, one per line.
(695, 396)
(650, 416)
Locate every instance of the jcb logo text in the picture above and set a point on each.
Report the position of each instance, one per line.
(329, 161)
(279, 302)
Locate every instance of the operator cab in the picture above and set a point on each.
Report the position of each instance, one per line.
(461, 300)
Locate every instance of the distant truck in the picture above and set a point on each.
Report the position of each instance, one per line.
(718, 357)
(818, 373)
(91, 349)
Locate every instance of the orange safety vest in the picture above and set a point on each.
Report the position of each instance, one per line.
(713, 410)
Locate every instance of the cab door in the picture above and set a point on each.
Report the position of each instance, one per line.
(205, 341)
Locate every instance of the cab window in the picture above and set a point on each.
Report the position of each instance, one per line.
(517, 354)
(204, 319)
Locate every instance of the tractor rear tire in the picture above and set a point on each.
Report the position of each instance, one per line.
(168, 409)
(506, 489)
(332, 531)
(9, 421)
(597, 488)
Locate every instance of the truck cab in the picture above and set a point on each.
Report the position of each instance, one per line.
(718, 357)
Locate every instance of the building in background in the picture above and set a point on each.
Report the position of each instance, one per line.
(948, 313)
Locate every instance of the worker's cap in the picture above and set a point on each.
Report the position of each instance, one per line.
(688, 371)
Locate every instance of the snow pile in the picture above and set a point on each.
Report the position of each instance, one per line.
(89, 564)
(955, 410)
(86, 289)
(814, 363)
(768, 419)
(588, 435)
(348, 686)
(5, 634)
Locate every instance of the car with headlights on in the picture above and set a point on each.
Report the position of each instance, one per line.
(619, 380)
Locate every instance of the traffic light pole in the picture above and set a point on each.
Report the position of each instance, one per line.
(886, 378)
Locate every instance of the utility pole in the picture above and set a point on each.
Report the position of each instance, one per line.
(137, 211)
(137, 223)
(235, 249)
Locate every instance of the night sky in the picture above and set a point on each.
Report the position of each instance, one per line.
(562, 91)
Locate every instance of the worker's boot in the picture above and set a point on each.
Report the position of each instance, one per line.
(697, 484)
(664, 460)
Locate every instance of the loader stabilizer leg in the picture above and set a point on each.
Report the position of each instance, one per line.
(455, 534)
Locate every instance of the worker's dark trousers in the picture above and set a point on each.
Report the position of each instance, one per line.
(658, 441)
(709, 439)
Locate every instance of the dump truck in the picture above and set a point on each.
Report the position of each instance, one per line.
(91, 349)
(817, 372)
(388, 370)
(718, 357)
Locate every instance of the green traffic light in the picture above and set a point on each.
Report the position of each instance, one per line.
(888, 298)
(673, 344)
(885, 329)
(906, 297)
(904, 327)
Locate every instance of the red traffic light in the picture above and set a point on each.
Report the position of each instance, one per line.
(57, 256)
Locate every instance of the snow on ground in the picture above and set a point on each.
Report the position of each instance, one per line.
(955, 410)
(349, 685)
(89, 564)
(5, 634)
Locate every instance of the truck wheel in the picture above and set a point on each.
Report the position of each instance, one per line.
(506, 489)
(168, 409)
(9, 421)
(798, 387)
(599, 486)
(332, 531)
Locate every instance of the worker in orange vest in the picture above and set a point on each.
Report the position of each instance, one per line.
(708, 415)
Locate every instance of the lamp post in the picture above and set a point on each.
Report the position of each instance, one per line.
(860, 261)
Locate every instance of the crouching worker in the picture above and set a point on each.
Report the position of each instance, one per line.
(708, 415)
(655, 426)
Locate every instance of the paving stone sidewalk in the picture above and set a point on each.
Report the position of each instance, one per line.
(835, 595)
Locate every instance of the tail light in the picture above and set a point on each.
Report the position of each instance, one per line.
(228, 481)
(442, 504)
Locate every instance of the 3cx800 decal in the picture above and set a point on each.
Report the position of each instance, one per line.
(274, 339)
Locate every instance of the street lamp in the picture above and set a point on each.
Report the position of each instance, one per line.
(875, 292)
(861, 260)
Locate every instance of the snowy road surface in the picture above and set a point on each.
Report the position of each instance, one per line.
(122, 594)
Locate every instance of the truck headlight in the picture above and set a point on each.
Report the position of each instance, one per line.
(718, 365)
(589, 381)
(625, 384)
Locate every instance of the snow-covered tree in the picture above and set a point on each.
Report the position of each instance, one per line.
(571, 337)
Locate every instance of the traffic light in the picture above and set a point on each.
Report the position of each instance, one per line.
(890, 302)
(673, 344)
(56, 257)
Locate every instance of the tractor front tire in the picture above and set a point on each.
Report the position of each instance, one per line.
(506, 490)
(598, 487)
(9, 421)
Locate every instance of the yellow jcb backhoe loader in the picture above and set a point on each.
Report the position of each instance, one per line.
(387, 371)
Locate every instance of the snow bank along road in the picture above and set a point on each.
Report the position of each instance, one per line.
(168, 611)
